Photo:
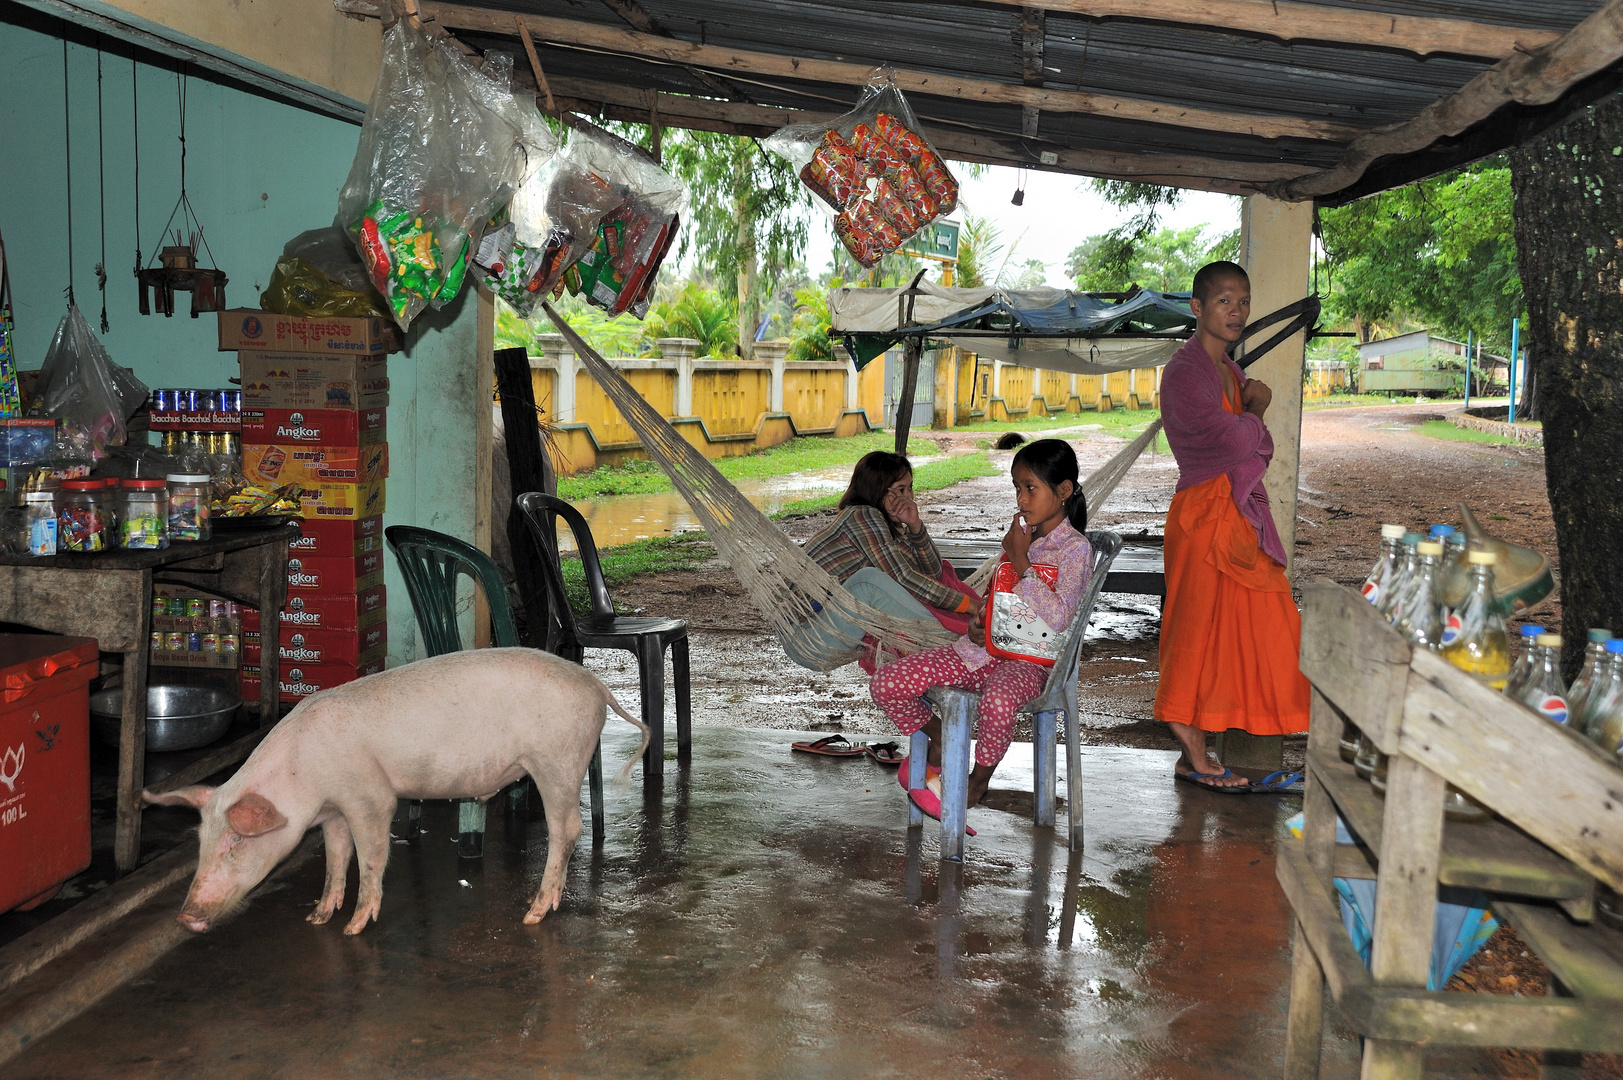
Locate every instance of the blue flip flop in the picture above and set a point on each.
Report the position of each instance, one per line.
(1199, 779)
(1280, 783)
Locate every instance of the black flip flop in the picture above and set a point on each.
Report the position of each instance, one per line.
(1198, 779)
(827, 748)
(887, 753)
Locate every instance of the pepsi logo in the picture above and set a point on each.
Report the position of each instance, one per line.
(1452, 626)
(1554, 706)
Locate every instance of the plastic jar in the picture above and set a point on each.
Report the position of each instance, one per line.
(81, 516)
(40, 508)
(189, 495)
(113, 496)
(144, 524)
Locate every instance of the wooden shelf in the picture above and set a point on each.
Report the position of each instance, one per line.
(1587, 959)
(1488, 855)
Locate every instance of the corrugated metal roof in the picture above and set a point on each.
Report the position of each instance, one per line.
(1182, 66)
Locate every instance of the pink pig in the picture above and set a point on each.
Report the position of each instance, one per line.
(461, 725)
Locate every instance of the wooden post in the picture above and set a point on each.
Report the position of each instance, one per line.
(531, 470)
(1275, 244)
(484, 448)
(912, 351)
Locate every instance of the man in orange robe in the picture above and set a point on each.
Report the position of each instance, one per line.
(1230, 631)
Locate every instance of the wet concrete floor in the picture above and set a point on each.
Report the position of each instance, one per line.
(761, 914)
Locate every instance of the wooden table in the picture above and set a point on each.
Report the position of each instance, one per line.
(108, 596)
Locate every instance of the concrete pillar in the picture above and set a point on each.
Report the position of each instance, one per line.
(997, 379)
(946, 389)
(565, 364)
(1275, 247)
(681, 350)
(773, 352)
(853, 391)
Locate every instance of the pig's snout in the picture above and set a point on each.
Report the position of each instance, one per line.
(197, 924)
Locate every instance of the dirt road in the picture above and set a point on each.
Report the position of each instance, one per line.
(1360, 467)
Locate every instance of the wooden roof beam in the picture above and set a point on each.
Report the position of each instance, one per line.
(637, 17)
(1033, 32)
(1535, 78)
(720, 60)
(1288, 21)
(735, 118)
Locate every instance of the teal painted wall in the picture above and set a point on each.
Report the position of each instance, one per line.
(258, 171)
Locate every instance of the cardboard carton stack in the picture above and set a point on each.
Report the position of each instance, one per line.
(314, 396)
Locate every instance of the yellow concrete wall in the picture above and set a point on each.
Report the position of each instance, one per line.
(814, 395)
(593, 407)
(731, 401)
(1322, 382)
(970, 369)
(871, 391)
(1056, 390)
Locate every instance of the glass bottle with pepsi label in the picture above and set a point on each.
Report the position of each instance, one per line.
(1522, 669)
(1595, 659)
(1383, 573)
(1544, 692)
(1408, 559)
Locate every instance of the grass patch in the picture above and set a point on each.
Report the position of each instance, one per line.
(642, 477)
(1442, 429)
(931, 476)
(627, 562)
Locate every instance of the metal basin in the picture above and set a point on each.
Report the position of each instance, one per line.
(178, 717)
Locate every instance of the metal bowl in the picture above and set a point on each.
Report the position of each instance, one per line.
(178, 717)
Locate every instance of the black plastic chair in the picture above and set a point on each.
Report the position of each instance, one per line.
(431, 563)
(646, 638)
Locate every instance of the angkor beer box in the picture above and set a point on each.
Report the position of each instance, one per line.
(246, 330)
(313, 381)
(327, 538)
(328, 611)
(349, 574)
(299, 681)
(314, 427)
(315, 465)
(343, 500)
(298, 646)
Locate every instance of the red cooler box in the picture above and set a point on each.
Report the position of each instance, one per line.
(44, 764)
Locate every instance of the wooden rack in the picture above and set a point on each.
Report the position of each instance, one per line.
(1559, 828)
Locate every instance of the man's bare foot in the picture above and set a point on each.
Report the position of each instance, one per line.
(980, 778)
(1193, 741)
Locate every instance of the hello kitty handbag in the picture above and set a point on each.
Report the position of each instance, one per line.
(1013, 630)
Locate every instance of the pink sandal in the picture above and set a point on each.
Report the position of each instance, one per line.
(930, 803)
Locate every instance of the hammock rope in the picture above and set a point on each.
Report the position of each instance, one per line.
(790, 589)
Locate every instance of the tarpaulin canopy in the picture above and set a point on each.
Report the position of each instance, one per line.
(1057, 329)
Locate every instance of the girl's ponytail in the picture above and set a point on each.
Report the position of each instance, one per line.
(1076, 509)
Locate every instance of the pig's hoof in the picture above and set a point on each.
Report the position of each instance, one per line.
(533, 916)
(319, 916)
(195, 923)
(364, 914)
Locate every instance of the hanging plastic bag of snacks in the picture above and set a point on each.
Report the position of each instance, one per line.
(598, 220)
(873, 169)
(446, 141)
(81, 386)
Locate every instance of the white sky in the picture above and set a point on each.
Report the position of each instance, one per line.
(1059, 212)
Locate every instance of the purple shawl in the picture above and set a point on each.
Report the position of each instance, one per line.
(1209, 441)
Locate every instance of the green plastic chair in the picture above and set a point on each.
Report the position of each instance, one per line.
(431, 563)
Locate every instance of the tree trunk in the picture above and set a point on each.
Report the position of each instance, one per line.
(749, 303)
(1569, 239)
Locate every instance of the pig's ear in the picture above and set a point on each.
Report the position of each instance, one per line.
(197, 796)
(253, 815)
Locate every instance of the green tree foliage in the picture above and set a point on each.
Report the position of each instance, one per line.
(744, 221)
(1165, 261)
(699, 313)
(1441, 252)
(809, 331)
(1116, 250)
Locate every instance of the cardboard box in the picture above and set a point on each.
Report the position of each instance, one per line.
(246, 330)
(314, 427)
(315, 465)
(296, 646)
(26, 438)
(336, 538)
(328, 611)
(313, 381)
(343, 500)
(299, 681)
(351, 574)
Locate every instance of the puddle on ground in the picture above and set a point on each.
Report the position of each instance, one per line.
(625, 518)
(1116, 617)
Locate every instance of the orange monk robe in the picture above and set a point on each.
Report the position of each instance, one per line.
(1230, 631)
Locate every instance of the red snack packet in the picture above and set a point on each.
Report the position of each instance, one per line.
(833, 173)
(910, 186)
(899, 135)
(857, 243)
(875, 153)
(894, 208)
(940, 182)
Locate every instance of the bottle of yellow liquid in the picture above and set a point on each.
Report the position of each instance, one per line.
(1474, 638)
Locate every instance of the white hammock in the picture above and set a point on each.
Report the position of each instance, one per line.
(789, 588)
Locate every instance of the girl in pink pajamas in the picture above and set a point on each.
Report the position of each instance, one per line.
(1047, 529)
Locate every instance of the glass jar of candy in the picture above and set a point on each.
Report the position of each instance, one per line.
(40, 509)
(144, 524)
(189, 495)
(81, 516)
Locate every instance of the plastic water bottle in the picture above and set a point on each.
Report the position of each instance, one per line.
(1420, 619)
(1523, 668)
(1475, 639)
(1578, 693)
(1381, 575)
(1544, 691)
(1408, 559)
(1603, 718)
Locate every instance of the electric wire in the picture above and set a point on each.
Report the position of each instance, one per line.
(101, 170)
(67, 146)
